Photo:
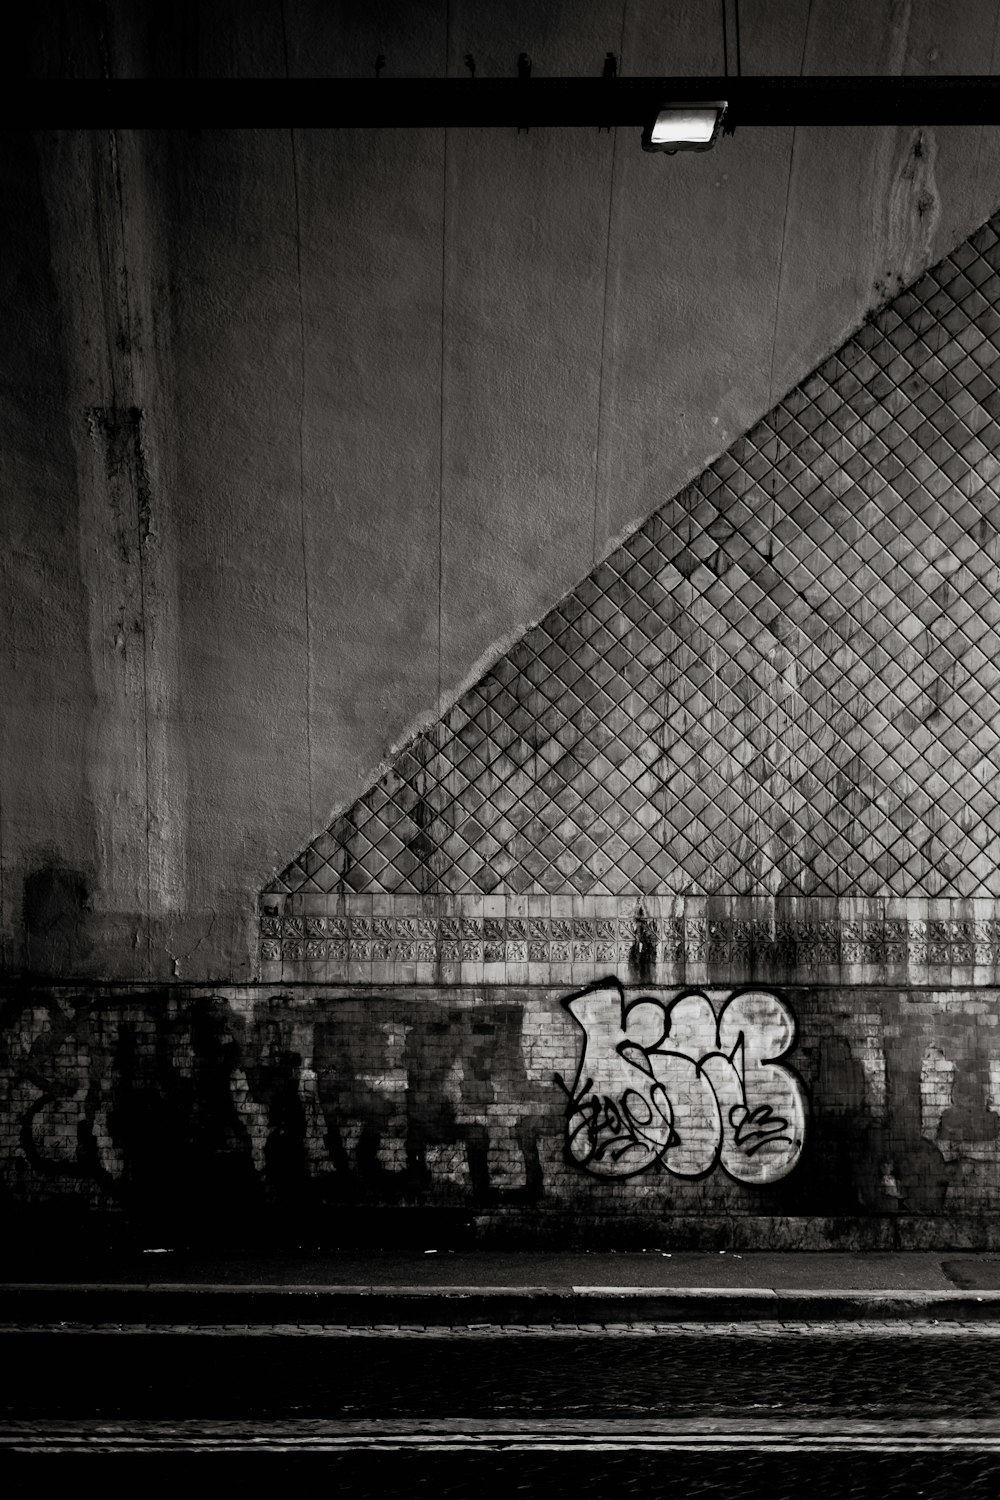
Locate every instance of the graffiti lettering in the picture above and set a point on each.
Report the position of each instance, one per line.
(614, 1130)
(684, 1087)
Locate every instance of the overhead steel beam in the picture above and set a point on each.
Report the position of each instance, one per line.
(410, 103)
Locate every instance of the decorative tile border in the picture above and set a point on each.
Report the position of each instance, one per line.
(541, 939)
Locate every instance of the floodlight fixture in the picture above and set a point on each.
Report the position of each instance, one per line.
(690, 126)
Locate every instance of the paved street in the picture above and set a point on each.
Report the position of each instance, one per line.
(697, 1374)
(837, 1409)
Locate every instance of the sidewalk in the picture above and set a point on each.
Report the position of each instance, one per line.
(451, 1289)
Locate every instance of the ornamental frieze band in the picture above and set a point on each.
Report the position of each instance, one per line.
(642, 939)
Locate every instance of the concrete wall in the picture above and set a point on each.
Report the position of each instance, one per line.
(304, 428)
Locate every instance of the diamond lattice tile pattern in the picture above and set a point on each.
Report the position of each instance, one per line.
(787, 681)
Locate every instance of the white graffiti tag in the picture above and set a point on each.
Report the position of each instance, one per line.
(684, 1085)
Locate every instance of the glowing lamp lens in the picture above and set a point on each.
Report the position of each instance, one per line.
(684, 127)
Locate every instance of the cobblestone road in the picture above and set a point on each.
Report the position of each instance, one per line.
(724, 1410)
(673, 1370)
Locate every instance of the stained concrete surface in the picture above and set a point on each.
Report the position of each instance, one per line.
(395, 399)
(980, 1272)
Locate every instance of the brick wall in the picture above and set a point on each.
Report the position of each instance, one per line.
(339, 1116)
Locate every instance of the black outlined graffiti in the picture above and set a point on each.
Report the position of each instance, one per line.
(683, 1085)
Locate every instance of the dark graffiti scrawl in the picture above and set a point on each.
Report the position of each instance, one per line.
(684, 1085)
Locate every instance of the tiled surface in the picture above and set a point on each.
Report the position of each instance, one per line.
(785, 683)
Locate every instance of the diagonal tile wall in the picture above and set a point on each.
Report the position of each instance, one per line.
(784, 687)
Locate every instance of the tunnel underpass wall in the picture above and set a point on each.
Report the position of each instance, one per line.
(680, 926)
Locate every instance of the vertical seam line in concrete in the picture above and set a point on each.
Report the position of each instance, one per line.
(120, 205)
(781, 267)
(137, 460)
(302, 475)
(784, 222)
(805, 37)
(97, 162)
(604, 305)
(604, 328)
(983, 128)
(441, 375)
(284, 34)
